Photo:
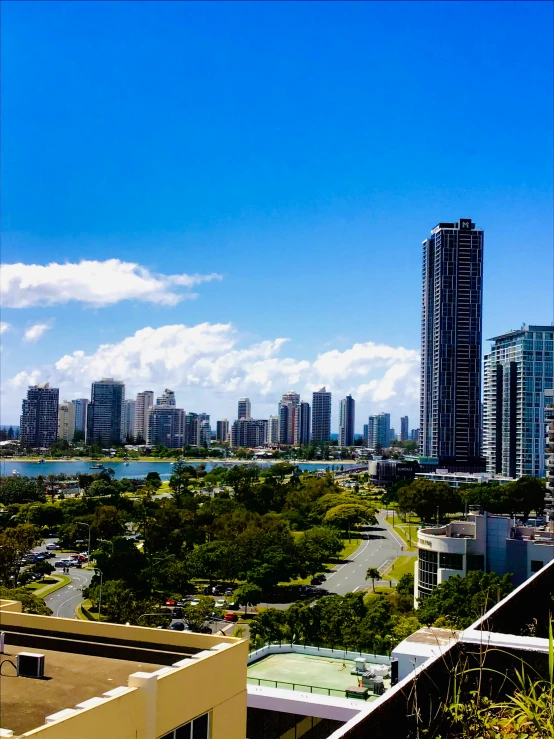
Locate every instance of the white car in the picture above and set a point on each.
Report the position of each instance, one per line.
(194, 602)
(221, 603)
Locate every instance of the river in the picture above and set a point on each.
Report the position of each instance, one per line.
(136, 470)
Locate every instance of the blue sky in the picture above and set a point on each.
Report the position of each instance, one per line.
(301, 152)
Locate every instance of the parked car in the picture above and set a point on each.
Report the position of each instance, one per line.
(221, 603)
(177, 612)
(52, 546)
(177, 626)
(170, 602)
(231, 617)
(229, 591)
(194, 602)
(62, 563)
(233, 606)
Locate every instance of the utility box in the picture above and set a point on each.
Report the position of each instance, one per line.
(30, 664)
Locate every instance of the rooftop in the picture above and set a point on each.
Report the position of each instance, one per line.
(70, 678)
(306, 673)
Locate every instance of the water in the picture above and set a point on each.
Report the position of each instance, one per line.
(136, 470)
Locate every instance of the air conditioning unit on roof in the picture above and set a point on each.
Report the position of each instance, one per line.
(30, 664)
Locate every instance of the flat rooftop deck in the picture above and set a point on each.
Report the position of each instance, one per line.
(305, 673)
(70, 678)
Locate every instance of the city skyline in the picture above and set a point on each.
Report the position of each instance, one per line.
(151, 279)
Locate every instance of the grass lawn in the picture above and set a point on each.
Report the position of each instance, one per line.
(42, 588)
(401, 566)
(404, 530)
(84, 611)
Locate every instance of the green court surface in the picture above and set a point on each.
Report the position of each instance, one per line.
(306, 673)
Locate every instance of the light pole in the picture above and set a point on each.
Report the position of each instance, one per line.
(82, 523)
(99, 572)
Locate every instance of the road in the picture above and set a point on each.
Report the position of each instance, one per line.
(64, 601)
(380, 546)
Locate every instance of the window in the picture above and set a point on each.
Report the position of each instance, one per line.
(427, 571)
(196, 729)
(452, 561)
(475, 562)
(536, 565)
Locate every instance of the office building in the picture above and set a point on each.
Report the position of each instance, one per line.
(518, 371)
(304, 425)
(249, 432)
(366, 435)
(414, 435)
(273, 430)
(404, 429)
(166, 398)
(129, 419)
(81, 405)
(222, 430)
(482, 542)
(378, 431)
(450, 406)
(289, 412)
(166, 426)
(393, 434)
(321, 415)
(144, 402)
(204, 430)
(244, 409)
(192, 430)
(346, 421)
(133, 683)
(105, 413)
(66, 421)
(39, 417)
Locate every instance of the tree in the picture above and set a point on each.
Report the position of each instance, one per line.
(346, 515)
(268, 626)
(425, 498)
(248, 594)
(317, 546)
(180, 479)
(196, 616)
(464, 599)
(29, 603)
(155, 480)
(14, 543)
(42, 567)
(372, 574)
(241, 477)
(526, 494)
(405, 585)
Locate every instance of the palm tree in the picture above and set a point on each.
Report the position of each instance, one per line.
(372, 574)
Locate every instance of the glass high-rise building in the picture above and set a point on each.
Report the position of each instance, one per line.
(166, 426)
(518, 371)
(39, 417)
(81, 405)
(304, 423)
(451, 335)
(321, 415)
(378, 431)
(404, 428)
(105, 422)
(222, 430)
(244, 409)
(289, 417)
(346, 421)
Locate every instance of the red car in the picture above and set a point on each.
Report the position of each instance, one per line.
(229, 616)
(170, 602)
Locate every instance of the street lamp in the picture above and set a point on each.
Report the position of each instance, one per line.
(81, 523)
(99, 572)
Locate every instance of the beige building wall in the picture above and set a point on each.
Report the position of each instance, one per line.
(66, 421)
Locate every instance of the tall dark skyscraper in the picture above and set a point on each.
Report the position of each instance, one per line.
(321, 415)
(404, 428)
(451, 328)
(39, 417)
(105, 416)
(304, 423)
(346, 421)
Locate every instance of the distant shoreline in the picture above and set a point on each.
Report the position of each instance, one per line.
(158, 460)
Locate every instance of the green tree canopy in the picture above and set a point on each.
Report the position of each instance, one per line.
(464, 599)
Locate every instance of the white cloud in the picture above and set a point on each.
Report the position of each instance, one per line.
(209, 371)
(4, 327)
(33, 333)
(92, 282)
